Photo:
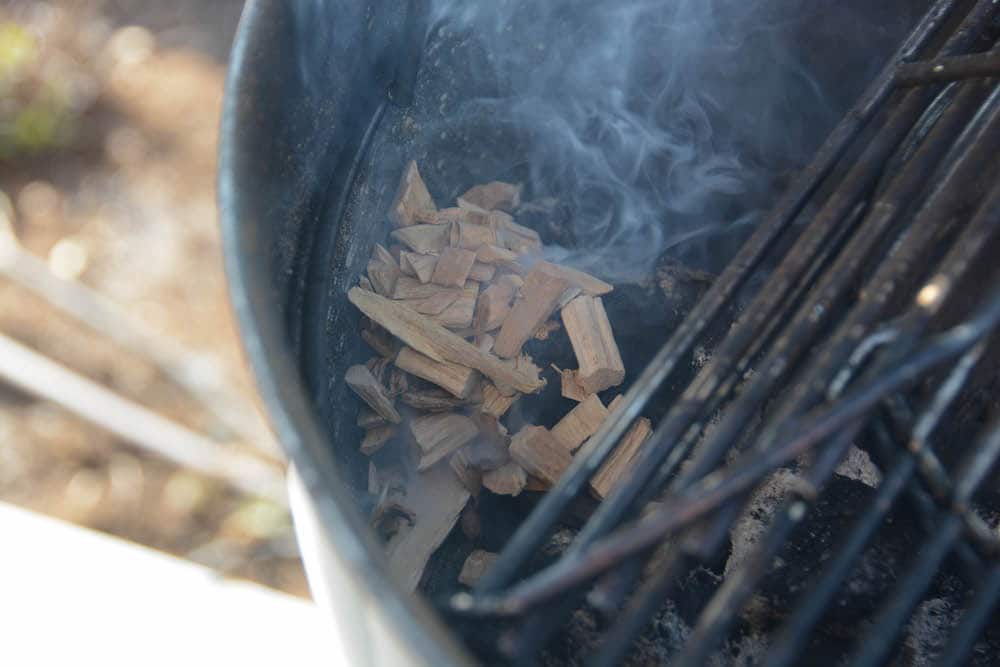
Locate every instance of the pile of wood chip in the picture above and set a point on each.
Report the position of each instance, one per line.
(448, 307)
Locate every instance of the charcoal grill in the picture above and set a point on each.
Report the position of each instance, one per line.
(858, 313)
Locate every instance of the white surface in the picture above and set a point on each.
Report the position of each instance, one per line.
(69, 596)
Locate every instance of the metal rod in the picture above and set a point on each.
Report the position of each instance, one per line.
(720, 486)
(973, 66)
(532, 532)
(879, 641)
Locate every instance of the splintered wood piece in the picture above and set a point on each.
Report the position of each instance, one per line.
(475, 567)
(493, 307)
(453, 267)
(376, 438)
(539, 453)
(494, 402)
(433, 340)
(522, 240)
(470, 476)
(570, 387)
(481, 272)
(369, 419)
(580, 423)
(494, 195)
(458, 380)
(378, 367)
(571, 293)
(590, 285)
(436, 499)
(433, 305)
(492, 254)
(423, 239)
(460, 313)
(471, 236)
(417, 265)
(365, 284)
(383, 276)
(408, 288)
(622, 458)
(398, 382)
(439, 435)
(431, 400)
(535, 484)
(379, 339)
(539, 296)
(593, 343)
(507, 480)
(411, 197)
(363, 383)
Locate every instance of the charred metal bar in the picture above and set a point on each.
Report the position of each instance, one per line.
(749, 469)
(974, 66)
(878, 643)
(814, 603)
(532, 532)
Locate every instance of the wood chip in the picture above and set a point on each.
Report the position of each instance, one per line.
(438, 435)
(471, 236)
(433, 340)
(475, 567)
(453, 266)
(622, 458)
(436, 499)
(444, 216)
(580, 423)
(378, 339)
(495, 403)
(411, 197)
(494, 195)
(408, 288)
(383, 276)
(370, 390)
(369, 419)
(435, 304)
(376, 438)
(546, 329)
(535, 484)
(481, 272)
(491, 254)
(431, 400)
(485, 342)
(590, 285)
(539, 453)
(571, 387)
(493, 308)
(457, 380)
(539, 296)
(518, 238)
(423, 239)
(419, 266)
(593, 343)
(507, 480)
(470, 476)
(460, 314)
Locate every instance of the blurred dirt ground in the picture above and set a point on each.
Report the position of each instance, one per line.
(108, 126)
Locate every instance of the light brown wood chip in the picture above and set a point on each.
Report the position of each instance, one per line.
(370, 390)
(593, 343)
(540, 294)
(507, 480)
(580, 423)
(438, 435)
(423, 239)
(453, 267)
(475, 567)
(411, 197)
(376, 438)
(617, 466)
(539, 453)
(458, 380)
(438, 343)
(494, 195)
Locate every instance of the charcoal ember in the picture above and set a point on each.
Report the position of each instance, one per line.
(815, 540)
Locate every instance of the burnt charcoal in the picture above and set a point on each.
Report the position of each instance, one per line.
(815, 541)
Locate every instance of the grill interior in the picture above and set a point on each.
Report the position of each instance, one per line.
(857, 321)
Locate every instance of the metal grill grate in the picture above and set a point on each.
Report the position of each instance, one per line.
(870, 294)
